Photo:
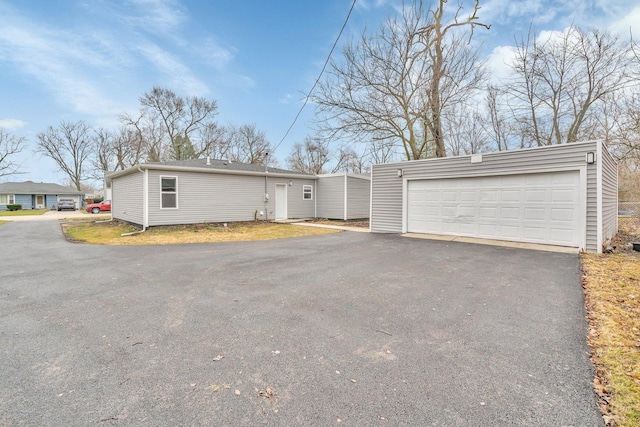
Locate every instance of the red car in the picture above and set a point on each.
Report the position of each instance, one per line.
(99, 207)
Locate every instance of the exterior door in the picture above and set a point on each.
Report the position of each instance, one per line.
(39, 201)
(281, 201)
(537, 208)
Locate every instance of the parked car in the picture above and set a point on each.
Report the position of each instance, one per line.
(66, 204)
(99, 207)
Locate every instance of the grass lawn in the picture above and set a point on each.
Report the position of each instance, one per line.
(612, 291)
(23, 212)
(110, 233)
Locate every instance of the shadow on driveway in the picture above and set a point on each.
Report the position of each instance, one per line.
(351, 328)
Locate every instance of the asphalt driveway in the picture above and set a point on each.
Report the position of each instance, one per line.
(344, 329)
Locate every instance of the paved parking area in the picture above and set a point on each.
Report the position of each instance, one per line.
(345, 329)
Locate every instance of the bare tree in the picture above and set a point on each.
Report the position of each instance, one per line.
(395, 86)
(560, 80)
(463, 127)
(461, 66)
(311, 156)
(70, 146)
(247, 144)
(9, 147)
(183, 121)
(495, 124)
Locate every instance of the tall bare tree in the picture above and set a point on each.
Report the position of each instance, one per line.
(450, 60)
(176, 124)
(10, 146)
(396, 85)
(70, 146)
(560, 80)
(247, 144)
(311, 156)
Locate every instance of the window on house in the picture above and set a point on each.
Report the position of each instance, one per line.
(168, 192)
(307, 192)
(7, 199)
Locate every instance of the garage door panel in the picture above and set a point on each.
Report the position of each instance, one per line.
(535, 214)
(560, 214)
(540, 208)
(510, 196)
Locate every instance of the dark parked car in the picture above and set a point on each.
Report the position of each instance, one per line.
(66, 204)
(98, 207)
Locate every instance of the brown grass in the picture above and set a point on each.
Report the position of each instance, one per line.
(612, 290)
(26, 212)
(110, 233)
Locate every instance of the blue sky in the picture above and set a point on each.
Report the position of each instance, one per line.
(92, 59)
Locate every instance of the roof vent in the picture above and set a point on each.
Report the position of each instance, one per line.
(208, 160)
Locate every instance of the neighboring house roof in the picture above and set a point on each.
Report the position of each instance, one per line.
(30, 187)
(212, 165)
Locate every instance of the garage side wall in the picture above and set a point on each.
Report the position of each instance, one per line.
(127, 201)
(387, 187)
(358, 197)
(609, 195)
(331, 197)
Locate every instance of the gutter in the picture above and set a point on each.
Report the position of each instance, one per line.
(206, 170)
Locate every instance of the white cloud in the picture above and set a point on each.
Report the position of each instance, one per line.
(12, 124)
(156, 16)
(499, 62)
(629, 24)
(179, 76)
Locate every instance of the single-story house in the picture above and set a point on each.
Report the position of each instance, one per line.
(36, 195)
(563, 195)
(208, 190)
(344, 196)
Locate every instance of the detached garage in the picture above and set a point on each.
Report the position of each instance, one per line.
(563, 195)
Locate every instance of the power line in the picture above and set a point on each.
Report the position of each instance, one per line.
(326, 62)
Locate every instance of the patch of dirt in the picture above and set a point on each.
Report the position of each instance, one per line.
(362, 223)
(628, 232)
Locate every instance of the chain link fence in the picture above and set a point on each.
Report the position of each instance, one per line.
(631, 209)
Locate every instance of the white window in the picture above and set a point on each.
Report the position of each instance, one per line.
(7, 199)
(169, 192)
(307, 192)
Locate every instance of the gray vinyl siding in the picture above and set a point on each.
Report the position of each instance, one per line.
(609, 195)
(358, 197)
(331, 197)
(214, 197)
(127, 203)
(297, 206)
(387, 187)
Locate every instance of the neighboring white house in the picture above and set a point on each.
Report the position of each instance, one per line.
(562, 195)
(207, 190)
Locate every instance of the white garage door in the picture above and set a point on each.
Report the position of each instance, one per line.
(537, 208)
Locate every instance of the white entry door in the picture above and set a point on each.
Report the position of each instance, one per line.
(39, 201)
(281, 201)
(538, 208)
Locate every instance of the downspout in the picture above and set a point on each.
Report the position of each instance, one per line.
(145, 201)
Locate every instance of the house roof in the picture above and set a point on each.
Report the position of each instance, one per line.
(30, 187)
(225, 165)
(215, 166)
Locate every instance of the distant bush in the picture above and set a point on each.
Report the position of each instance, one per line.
(98, 199)
(14, 207)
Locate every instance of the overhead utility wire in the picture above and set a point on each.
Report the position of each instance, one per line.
(306, 98)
